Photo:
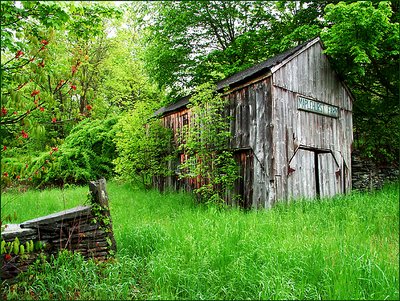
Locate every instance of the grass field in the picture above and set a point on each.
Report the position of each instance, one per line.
(169, 248)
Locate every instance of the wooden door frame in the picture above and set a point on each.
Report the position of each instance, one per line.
(317, 152)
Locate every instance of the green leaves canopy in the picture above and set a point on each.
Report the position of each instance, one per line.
(363, 43)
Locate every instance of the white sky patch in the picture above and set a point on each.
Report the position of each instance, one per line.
(112, 30)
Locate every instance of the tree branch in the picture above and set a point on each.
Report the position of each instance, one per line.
(22, 116)
(215, 29)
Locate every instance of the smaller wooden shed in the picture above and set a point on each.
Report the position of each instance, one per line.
(291, 127)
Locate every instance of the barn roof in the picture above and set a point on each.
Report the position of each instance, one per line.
(242, 76)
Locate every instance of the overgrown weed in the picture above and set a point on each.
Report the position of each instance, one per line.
(170, 248)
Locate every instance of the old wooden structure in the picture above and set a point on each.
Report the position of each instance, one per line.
(291, 127)
(84, 229)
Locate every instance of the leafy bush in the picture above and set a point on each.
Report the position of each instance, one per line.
(15, 163)
(86, 154)
(206, 145)
(143, 145)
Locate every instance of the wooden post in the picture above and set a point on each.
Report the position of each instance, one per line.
(100, 197)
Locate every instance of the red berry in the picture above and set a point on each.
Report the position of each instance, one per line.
(35, 92)
(24, 134)
(19, 54)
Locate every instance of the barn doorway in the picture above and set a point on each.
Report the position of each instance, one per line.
(244, 184)
(314, 173)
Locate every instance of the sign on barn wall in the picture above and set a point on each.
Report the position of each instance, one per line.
(310, 105)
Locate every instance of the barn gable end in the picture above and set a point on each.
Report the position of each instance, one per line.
(312, 126)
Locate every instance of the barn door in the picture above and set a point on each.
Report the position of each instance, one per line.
(244, 184)
(301, 175)
(313, 173)
(329, 175)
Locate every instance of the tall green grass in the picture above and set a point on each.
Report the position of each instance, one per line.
(341, 248)
(35, 203)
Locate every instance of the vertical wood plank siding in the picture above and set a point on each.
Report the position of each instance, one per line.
(175, 121)
(250, 108)
(310, 75)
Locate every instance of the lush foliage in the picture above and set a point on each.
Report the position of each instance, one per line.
(170, 248)
(188, 43)
(122, 78)
(47, 68)
(86, 155)
(205, 144)
(50, 54)
(363, 42)
(144, 146)
(67, 62)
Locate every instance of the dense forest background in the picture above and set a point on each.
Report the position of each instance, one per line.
(79, 80)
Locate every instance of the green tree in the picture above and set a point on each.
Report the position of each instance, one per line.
(192, 42)
(182, 34)
(43, 73)
(124, 81)
(42, 69)
(143, 145)
(362, 41)
(86, 154)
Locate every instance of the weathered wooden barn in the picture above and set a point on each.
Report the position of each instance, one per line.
(291, 127)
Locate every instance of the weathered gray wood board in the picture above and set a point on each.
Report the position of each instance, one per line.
(58, 217)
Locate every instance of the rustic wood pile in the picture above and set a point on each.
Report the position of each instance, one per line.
(83, 229)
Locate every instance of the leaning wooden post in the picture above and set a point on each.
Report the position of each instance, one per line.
(101, 210)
